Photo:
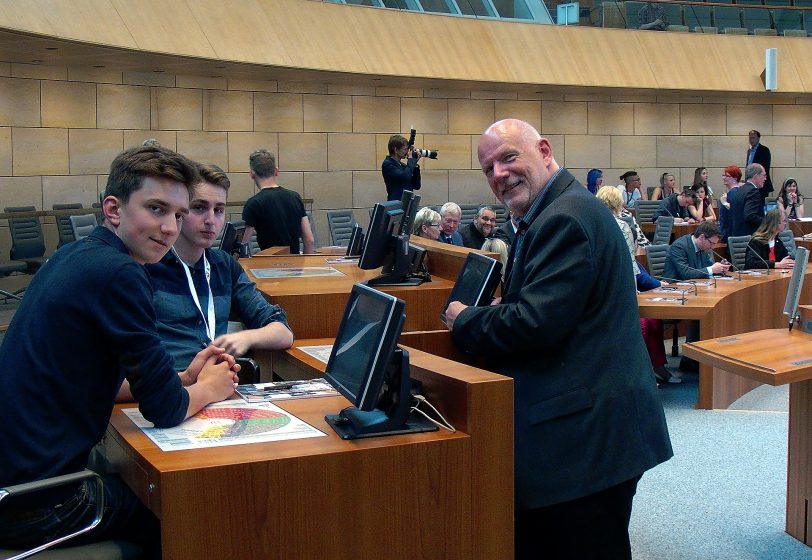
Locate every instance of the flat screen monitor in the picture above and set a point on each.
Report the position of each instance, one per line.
(795, 284)
(364, 345)
(384, 227)
(366, 367)
(232, 237)
(356, 243)
(409, 202)
(476, 282)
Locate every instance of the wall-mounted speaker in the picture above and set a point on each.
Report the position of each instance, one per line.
(770, 76)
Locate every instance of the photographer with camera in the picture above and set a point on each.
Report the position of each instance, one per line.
(399, 176)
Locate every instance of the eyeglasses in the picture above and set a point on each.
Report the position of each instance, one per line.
(488, 219)
(432, 225)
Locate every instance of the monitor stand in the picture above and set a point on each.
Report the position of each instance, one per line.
(393, 415)
(399, 272)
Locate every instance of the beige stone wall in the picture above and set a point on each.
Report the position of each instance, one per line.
(60, 128)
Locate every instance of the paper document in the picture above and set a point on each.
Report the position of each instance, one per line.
(293, 272)
(321, 353)
(232, 422)
(282, 390)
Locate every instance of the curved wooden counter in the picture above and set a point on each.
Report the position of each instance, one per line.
(732, 307)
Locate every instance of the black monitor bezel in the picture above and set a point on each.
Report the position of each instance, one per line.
(232, 237)
(372, 380)
(379, 242)
(492, 273)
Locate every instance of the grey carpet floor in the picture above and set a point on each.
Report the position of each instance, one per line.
(723, 494)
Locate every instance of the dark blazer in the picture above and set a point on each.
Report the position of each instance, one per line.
(399, 177)
(756, 249)
(763, 158)
(587, 413)
(669, 206)
(455, 239)
(746, 210)
(505, 232)
(683, 262)
(471, 237)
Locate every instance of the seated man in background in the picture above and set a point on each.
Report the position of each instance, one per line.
(690, 257)
(197, 288)
(481, 228)
(450, 215)
(630, 190)
(86, 323)
(676, 206)
(507, 231)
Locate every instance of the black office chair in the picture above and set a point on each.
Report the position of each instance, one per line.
(27, 241)
(340, 223)
(63, 225)
(82, 225)
(104, 550)
(645, 209)
(501, 213)
(737, 247)
(788, 239)
(662, 231)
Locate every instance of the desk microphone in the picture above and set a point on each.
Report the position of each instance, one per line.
(703, 272)
(735, 268)
(760, 258)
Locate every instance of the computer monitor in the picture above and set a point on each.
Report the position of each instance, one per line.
(385, 246)
(409, 202)
(795, 285)
(476, 282)
(356, 244)
(231, 241)
(366, 367)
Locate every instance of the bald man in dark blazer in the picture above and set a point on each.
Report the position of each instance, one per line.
(588, 419)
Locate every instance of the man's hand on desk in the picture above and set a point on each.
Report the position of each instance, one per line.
(212, 353)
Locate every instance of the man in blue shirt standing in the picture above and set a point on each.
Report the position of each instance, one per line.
(85, 324)
(197, 288)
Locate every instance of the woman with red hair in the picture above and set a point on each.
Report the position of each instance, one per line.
(732, 178)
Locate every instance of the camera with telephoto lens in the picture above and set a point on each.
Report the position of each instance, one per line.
(431, 154)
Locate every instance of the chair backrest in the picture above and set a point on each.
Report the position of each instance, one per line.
(656, 255)
(737, 247)
(788, 239)
(27, 241)
(662, 231)
(468, 213)
(697, 16)
(63, 222)
(340, 224)
(501, 213)
(645, 210)
(757, 18)
(82, 224)
(727, 16)
(788, 20)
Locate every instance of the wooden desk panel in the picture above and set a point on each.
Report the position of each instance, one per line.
(732, 307)
(776, 357)
(435, 495)
(314, 306)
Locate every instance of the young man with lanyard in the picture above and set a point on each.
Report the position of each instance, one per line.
(197, 287)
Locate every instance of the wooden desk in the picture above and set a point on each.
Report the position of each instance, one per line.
(436, 495)
(314, 306)
(776, 357)
(676, 232)
(800, 227)
(732, 307)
